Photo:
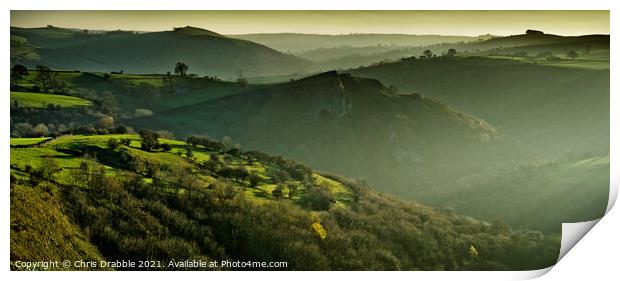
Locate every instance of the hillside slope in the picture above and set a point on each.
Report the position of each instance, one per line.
(593, 51)
(337, 122)
(543, 114)
(132, 204)
(546, 110)
(41, 229)
(128, 92)
(206, 52)
(405, 144)
(534, 195)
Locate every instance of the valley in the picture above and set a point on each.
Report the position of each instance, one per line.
(330, 152)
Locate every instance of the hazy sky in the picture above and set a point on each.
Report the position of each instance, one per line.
(328, 22)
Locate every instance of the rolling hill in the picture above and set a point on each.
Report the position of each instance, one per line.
(408, 145)
(329, 52)
(593, 51)
(300, 42)
(541, 40)
(549, 117)
(90, 198)
(487, 150)
(540, 113)
(345, 124)
(545, 110)
(129, 92)
(206, 52)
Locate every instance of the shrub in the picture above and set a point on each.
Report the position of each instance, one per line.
(258, 155)
(113, 143)
(23, 130)
(295, 170)
(105, 122)
(278, 175)
(213, 163)
(292, 188)
(318, 198)
(165, 134)
(40, 130)
(241, 173)
(102, 131)
(206, 142)
(278, 192)
(227, 171)
(166, 147)
(125, 141)
(234, 151)
(188, 151)
(121, 129)
(45, 171)
(318, 230)
(86, 130)
(255, 179)
(149, 140)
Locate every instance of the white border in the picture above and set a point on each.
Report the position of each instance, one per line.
(596, 255)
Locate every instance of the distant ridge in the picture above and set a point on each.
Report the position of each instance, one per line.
(301, 42)
(206, 52)
(535, 37)
(195, 31)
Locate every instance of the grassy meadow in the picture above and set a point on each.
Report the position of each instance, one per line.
(40, 100)
(65, 151)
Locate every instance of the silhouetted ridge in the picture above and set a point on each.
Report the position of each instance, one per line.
(195, 31)
(540, 38)
(321, 76)
(206, 52)
(344, 81)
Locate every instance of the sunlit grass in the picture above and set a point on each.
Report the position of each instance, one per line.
(60, 149)
(40, 100)
(26, 141)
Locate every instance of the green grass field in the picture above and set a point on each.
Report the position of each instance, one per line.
(153, 80)
(128, 89)
(26, 141)
(62, 150)
(40, 100)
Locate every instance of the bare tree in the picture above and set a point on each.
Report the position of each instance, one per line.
(46, 77)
